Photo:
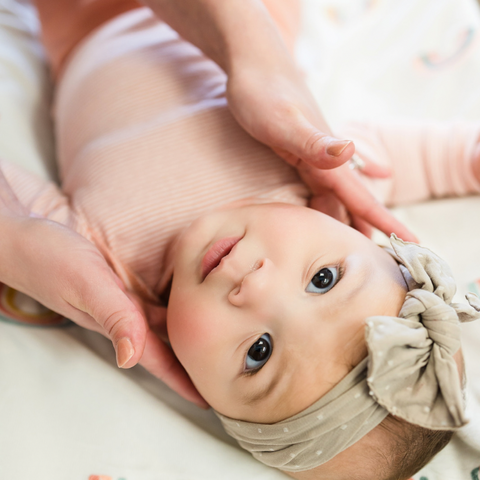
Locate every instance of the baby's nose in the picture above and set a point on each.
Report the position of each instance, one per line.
(256, 287)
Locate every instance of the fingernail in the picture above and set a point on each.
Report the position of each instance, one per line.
(125, 351)
(336, 147)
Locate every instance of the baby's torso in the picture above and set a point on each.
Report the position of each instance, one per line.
(146, 144)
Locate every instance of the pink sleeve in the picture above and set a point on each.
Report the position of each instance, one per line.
(47, 200)
(427, 160)
(41, 197)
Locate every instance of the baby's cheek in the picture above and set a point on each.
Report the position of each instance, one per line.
(192, 330)
(197, 340)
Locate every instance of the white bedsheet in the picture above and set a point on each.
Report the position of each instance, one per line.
(66, 411)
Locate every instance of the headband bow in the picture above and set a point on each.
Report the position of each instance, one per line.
(411, 369)
(410, 372)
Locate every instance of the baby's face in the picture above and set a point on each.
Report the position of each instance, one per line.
(277, 322)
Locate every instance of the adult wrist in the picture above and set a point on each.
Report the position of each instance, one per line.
(231, 33)
(261, 46)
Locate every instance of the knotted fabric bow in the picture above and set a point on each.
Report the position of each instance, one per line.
(410, 372)
(411, 369)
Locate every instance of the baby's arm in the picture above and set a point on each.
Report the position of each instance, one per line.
(427, 160)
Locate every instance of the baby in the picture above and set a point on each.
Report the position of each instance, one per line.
(269, 299)
(267, 313)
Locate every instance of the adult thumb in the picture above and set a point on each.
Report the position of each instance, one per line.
(316, 148)
(121, 318)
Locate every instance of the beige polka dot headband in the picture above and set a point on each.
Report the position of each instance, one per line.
(409, 372)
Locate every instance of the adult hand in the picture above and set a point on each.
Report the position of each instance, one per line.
(267, 94)
(65, 272)
(278, 110)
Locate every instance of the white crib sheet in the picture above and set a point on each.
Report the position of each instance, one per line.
(67, 412)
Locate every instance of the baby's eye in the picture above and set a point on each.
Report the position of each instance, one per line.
(323, 281)
(259, 353)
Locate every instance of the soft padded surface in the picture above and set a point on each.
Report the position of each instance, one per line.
(68, 412)
(25, 130)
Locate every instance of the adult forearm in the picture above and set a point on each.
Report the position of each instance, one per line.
(230, 32)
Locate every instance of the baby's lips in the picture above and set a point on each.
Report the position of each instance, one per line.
(220, 249)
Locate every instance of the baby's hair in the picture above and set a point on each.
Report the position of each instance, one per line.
(397, 451)
(411, 449)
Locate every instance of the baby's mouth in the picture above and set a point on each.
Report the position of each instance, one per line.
(219, 250)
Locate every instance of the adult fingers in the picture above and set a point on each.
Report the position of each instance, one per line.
(160, 361)
(362, 226)
(119, 315)
(361, 203)
(67, 273)
(330, 205)
(303, 142)
(346, 185)
(157, 320)
(374, 170)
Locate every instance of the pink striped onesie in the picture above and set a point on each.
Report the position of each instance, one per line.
(146, 144)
